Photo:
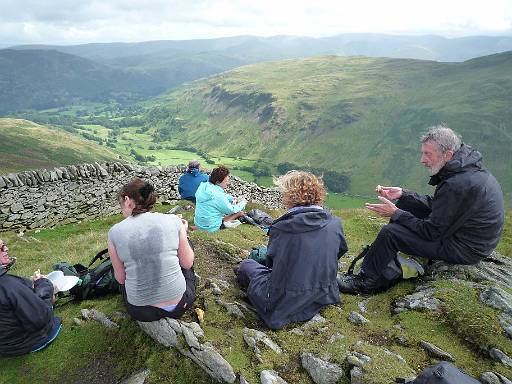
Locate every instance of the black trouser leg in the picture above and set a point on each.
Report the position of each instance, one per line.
(393, 238)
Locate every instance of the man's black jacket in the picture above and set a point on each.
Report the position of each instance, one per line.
(26, 314)
(466, 212)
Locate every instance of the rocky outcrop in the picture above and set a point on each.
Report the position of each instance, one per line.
(45, 198)
(185, 337)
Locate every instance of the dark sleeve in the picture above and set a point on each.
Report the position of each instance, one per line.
(33, 307)
(343, 244)
(419, 205)
(270, 249)
(446, 208)
(180, 189)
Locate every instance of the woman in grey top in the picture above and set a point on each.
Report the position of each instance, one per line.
(151, 256)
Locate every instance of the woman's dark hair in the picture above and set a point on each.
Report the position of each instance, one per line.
(141, 192)
(218, 174)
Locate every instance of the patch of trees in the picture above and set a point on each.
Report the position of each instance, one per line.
(141, 158)
(258, 169)
(334, 181)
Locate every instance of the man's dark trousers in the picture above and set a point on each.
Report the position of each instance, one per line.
(395, 237)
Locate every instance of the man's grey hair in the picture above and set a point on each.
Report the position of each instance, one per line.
(444, 137)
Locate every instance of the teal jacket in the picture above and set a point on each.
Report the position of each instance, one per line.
(212, 204)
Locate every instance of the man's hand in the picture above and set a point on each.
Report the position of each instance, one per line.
(385, 210)
(390, 193)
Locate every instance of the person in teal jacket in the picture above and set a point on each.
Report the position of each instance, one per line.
(213, 205)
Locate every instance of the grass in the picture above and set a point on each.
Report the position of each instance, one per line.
(90, 351)
(26, 145)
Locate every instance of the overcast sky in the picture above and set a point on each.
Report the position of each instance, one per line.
(76, 21)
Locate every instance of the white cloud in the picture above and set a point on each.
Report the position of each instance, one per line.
(74, 21)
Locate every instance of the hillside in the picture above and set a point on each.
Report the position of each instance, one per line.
(359, 115)
(26, 145)
(387, 346)
(42, 79)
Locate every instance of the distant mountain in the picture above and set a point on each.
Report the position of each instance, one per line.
(40, 76)
(359, 115)
(256, 49)
(26, 145)
(41, 79)
(44, 79)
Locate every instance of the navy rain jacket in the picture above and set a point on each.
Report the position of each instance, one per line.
(303, 249)
(466, 212)
(26, 314)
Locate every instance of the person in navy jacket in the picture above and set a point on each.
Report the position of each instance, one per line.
(26, 310)
(304, 246)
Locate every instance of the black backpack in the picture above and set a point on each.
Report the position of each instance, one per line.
(441, 373)
(93, 282)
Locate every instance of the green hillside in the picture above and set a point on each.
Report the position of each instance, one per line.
(26, 145)
(353, 114)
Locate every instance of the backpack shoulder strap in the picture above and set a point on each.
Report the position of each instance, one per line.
(99, 255)
(352, 265)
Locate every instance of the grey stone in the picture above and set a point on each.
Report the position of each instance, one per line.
(252, 337)
(497, 298)
(489, 378)
(243, 380)
(297, 331)
(214, 364)
(494, 378)
(335, 337)
(232, 308)
(436, 351)
(506, 324)
(421, 300)
(138, 377)
(356, 376)
(357, 318)
(271, 377)
(500, 356)
(315, 320)
(322, 372)
(362, 305)
(16, 207)
(161, 331)
(3, 184)
(190, 338)
(98, 316)
(358, 359)
(77, 321)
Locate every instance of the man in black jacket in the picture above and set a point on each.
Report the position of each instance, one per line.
(26, 310)
(460, 224)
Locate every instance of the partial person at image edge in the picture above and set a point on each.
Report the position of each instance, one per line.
(26, 310)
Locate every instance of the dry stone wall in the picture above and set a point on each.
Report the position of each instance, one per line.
(47, 197)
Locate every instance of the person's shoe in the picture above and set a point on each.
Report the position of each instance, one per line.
(357, 284)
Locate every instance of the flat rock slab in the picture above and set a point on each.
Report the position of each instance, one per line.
(436, 351)
(271, 377)
(322, 372)
(357, 318)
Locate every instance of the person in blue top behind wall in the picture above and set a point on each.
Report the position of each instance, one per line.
(213, 205)
(190, 180)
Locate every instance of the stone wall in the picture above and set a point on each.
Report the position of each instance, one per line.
(45, 198)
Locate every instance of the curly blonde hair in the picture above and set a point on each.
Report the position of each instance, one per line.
(301, 188)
